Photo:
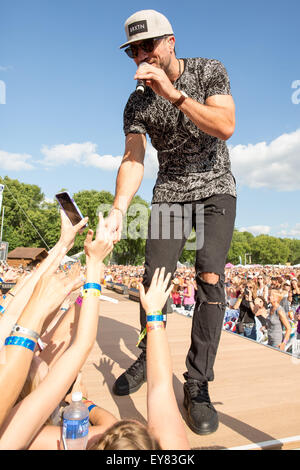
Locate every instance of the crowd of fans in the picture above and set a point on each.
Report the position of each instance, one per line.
(259, 299)
(263, 304)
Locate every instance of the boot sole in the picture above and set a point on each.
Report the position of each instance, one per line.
(129, 392)
(193, 427)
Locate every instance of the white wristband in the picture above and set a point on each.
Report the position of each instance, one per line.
(25, 331)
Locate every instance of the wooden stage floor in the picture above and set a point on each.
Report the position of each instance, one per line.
(256, 390)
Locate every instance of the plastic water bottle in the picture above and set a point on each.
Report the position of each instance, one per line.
(76, 424)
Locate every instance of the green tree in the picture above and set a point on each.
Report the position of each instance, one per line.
(240, 245)
(294, 245)
(23, 214)
(269, 250)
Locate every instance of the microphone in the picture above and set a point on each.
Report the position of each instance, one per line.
(141, 84)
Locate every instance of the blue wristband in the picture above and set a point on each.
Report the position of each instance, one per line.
(155, 318)
(91, 407)
(2, 309)
(20, 341)
(92, 285)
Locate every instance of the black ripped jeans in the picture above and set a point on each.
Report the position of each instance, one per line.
(168, 230)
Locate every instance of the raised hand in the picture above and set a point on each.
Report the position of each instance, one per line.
(52, 289)
(158, 291)
(68, 231)
(96, 250)
(158, 80)
(114, 224)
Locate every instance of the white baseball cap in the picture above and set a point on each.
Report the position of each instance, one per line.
(146, 24)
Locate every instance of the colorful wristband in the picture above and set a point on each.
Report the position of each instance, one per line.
(20, 341)
(91, 293)
(25, 331)
(92, 285)
(2, 310)
(156, 326)
(91, 407)
(151, 318)
(142, 336)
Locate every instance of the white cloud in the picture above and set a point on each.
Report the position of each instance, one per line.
(79, 154)
(15, 161)
(257, 229)
(61, 154)
(289, 232)
(86, 154)
(275, 165)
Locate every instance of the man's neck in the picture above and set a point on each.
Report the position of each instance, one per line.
(175, 69)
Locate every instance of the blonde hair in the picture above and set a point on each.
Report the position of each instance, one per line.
(127, 435)
(277, 293)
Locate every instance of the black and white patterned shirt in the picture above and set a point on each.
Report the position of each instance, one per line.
(192, 164)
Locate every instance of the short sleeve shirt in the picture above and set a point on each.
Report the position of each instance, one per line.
(192, 164)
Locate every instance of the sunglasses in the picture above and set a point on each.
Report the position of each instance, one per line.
(147, 45)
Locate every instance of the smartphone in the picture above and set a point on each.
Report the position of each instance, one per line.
(70, 208)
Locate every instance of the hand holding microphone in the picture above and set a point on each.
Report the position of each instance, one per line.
(141, 84)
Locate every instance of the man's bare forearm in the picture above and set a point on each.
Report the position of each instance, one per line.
(131, 171)
(129, 178)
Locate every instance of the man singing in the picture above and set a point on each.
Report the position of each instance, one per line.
(188, 112)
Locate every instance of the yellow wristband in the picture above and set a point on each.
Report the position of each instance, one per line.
(91, 293)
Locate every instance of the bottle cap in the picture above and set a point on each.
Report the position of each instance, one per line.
(76, 396)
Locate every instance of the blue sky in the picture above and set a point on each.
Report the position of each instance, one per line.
(64, 84)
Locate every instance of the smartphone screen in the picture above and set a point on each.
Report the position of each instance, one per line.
(69, 206)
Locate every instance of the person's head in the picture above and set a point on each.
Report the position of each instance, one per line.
(294, 283)
(127, 435)
(260, 280)
(274, 283)
(286, 286)
(150, 38)
(260, 302)
(276, 296)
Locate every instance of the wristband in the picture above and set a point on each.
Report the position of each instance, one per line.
(91, 293)
(92, 285)
(2, 310)
(142, 336)
(285, 341)
(156, 326)
(25, 331)
(158, 317)
(181, 99)
(20, 341)
(91, 407)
